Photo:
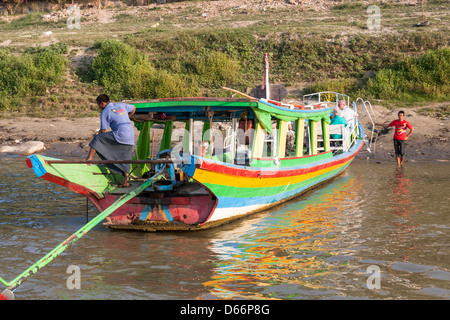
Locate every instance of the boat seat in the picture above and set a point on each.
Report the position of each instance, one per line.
(335, 144)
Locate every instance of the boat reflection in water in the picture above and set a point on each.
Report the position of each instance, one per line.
(282, 253)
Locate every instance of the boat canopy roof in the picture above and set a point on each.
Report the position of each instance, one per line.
(222, 109)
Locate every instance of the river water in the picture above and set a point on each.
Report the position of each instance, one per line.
(375, 232)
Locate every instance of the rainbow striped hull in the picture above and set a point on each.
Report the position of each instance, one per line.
(241, 191)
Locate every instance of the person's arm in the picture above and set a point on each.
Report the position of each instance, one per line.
(385, 125)
(411, 130)
(132, 111)
(104, 122)
(382, 125)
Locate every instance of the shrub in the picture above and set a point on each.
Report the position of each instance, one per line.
(166, 85)
(121, 69)
(29, 74)
(126, 73)
(215, 69)
(413, 79)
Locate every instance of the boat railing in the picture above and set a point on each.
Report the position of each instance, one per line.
(325, 97)
(342, 137)
(366, 109)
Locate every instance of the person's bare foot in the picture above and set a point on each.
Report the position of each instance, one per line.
(126, 181)
(124, 185)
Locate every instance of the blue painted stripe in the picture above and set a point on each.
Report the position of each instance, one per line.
(38, 168)
(167, 213)
(144, 213)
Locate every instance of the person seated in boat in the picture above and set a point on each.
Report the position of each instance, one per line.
(202, 149)
(246, 131)
(290, 137)
(347, 113)
(337, 119)
(118, 143)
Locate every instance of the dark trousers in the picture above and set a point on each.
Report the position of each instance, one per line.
(399, 147)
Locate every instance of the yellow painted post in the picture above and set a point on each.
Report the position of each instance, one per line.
(258, 145)
(299, 136)
(313, 136)
(326, 136)
(282, 132)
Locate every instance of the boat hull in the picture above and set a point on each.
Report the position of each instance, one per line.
(229, 192)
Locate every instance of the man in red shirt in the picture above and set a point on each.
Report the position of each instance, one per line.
(400, 135)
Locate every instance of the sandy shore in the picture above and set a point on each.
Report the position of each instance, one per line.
(68, 138)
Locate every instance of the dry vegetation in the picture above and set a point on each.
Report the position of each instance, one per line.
(324, 44)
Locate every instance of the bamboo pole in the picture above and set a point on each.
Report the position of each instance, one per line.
(156, 161)
(241, 93)
(81, 232)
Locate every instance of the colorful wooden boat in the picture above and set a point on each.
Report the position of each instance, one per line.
(224, 159)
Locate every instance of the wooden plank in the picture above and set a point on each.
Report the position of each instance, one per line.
(150, 116)
(50, 162)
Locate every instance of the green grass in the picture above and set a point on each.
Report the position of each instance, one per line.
(31, 21)
(440, 112)
(162, 53)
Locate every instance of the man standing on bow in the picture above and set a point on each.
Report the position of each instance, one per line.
(118, 143)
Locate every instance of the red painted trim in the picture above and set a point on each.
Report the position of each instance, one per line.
(274, 102)
(308, 156)
(280, 104)
(94, 197)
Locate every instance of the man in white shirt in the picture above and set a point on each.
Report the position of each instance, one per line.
(346, 113)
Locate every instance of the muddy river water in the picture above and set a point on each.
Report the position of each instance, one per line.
(375, 232)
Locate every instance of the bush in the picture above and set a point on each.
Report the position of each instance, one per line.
(166, 85)
(126, 73)
(414, 79)
(216, 69)
(424, 78)
(29, 74)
